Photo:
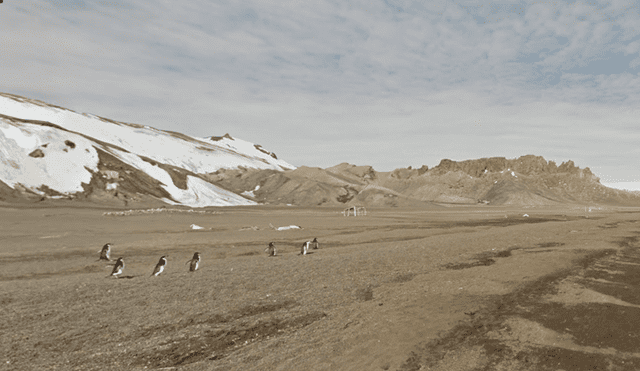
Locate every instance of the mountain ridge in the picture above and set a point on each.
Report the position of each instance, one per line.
(50, 153)
(525, 181)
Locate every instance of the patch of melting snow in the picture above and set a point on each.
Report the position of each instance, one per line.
(247, 148)
(194, 226)
(23, 138)
(111, 186)
(199, 193)
(288, 227)
(154, 211)
(195, 154)
(62, 169)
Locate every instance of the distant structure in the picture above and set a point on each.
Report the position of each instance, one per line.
(355, 210)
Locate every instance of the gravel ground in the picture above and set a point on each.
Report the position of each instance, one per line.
(461, 288)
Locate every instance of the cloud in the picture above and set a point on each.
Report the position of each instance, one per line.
(402, 81)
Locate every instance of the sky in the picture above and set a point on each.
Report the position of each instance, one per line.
(383, 83)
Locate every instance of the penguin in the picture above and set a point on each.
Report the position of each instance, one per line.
(105, 252)
(271, 250)
(118, 267)
(305, 248)
(194, 262)
(315, 243)
(160, 266)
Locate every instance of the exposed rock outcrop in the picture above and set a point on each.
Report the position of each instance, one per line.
(527, 180)
(525, 165)
(37, 153)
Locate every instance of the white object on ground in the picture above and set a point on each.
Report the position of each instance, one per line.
(288, 227)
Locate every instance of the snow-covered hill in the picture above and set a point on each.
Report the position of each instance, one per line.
(52, 151)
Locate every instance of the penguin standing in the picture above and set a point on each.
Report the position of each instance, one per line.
(105, 252)
(271, 250)
(194, 262)
(315, 243)
(118, 267)
(160, 266)
(305, 248)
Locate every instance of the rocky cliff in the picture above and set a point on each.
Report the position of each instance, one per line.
(524, 181)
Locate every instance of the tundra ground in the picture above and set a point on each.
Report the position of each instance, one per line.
(456, 288)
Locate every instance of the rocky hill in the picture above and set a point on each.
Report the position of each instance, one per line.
(49, 153)
(52, 153)
(525, 181)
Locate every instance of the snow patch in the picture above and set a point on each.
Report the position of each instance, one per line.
(288, 227)
(199, 193)
(32, 155)
(21, 137)
(199, 155)
(62, 168)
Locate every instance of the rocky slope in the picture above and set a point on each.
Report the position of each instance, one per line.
(49, 152)
(525, 181)
(52, 153)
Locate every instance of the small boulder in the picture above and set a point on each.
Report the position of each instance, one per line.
(37, 153)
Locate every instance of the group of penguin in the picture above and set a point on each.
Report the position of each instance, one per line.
(304, 249)
(119, 265)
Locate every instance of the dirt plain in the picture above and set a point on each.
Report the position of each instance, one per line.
(452, 288)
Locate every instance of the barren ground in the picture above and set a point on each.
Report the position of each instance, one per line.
(460, 288)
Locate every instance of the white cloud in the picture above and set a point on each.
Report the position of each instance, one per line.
(282, 73)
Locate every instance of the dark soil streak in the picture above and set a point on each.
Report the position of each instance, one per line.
(482, 259)
(66, 272)
(507, 222)
(225, 334)
(217, 344)
(216, 319)
(589, 324)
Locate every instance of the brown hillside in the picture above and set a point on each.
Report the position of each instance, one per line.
(525, 181)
